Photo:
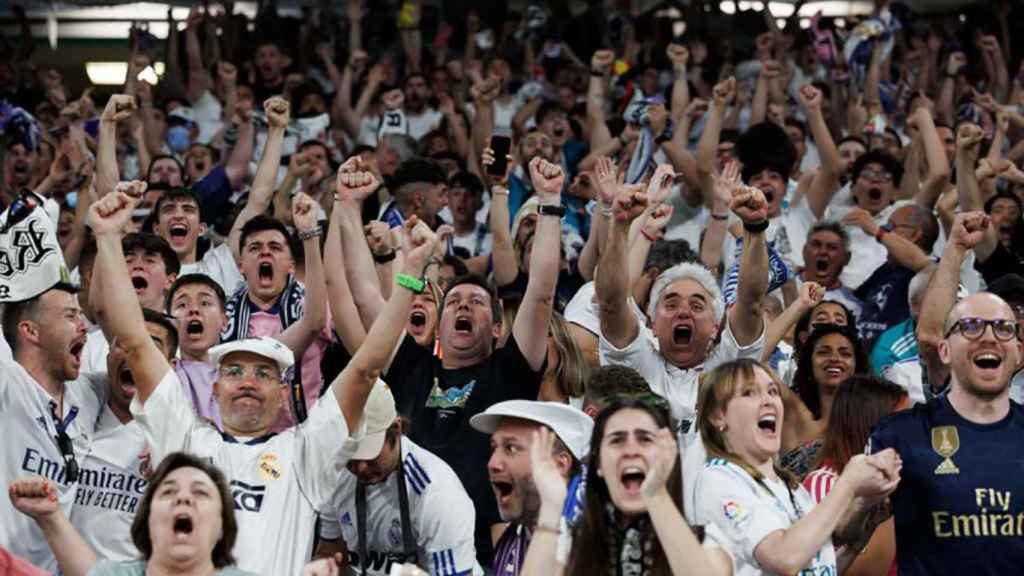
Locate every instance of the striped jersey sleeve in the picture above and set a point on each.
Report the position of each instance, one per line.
(819, 483)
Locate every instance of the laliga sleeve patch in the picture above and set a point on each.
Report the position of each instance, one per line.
(735, 513)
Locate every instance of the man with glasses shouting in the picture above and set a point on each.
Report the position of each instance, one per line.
(960, 505)
(279, 481)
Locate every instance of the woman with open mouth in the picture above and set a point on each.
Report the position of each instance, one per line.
(829, 356)
(632, 522)
(185, 524)
(771, 524)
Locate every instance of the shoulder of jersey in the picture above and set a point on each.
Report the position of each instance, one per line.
(917, 413)
(422, 470)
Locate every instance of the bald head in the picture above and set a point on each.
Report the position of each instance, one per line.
(982, 363)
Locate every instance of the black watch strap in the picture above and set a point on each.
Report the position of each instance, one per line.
(551, 210)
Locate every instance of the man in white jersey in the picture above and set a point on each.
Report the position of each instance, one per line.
(279, 481)
(48, 419)
(398, 503)
(112, 481)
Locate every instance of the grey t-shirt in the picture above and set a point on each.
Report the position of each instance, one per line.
(108, 568)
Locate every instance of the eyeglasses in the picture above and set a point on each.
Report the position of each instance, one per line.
(260, 374)
(973, 328)
(67, 452)
(876, 175)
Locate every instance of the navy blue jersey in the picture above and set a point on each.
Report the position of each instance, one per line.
(960, 504)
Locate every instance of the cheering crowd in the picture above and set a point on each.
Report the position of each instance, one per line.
(561, 289)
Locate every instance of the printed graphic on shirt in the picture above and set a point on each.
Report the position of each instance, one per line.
(454, 397)
(735, 513)
(109, 489)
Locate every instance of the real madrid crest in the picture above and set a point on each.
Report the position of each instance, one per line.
(946, 442)
(268, 466)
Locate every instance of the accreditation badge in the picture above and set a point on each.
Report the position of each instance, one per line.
(946, 443)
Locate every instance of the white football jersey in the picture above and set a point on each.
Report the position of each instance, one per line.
(29, 432)
(110, 488)
(278, 482)
(440, 511)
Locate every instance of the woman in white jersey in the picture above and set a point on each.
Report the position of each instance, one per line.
(632, 520)
(185, 523)
(770, 521)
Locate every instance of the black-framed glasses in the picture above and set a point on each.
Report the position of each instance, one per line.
(67, 452)
(974, 328)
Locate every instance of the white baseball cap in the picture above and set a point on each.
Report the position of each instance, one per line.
(572, 426)
(262, 346)
(378, 415)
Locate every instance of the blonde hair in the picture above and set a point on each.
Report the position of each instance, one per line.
(717, 388)
(573, 371)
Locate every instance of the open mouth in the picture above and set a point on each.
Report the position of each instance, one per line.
(200, 166)
(76, 349)
(632, 478)
(21, 168)
(178, 231)
(834, 371)
(126, 378)
(769, 195)
(821, 264)
(875, 194)
(463, 325)
(419, 319)
(768, 423)
(682, 335)
(266, 271)
(559, 132)
(140, 283)
(988, 361)
(182, 524)
(194, 327)
(502, 489)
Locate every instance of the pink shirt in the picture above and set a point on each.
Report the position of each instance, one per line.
(197, 379)
(11, 565)
(267, 324)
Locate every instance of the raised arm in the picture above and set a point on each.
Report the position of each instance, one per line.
(707, 146)
(811, 293)
(600, 67)
(359, 266)
(199, 79)
(531, 324)
(744, 317)
(935, 156)
(679, 55)
(826, 181)
(301, 334)
(945, 105)
(262, 191)
(37, 498)
(343, 308)
(119, 107)
(352, 387)
(718, 225)
(122, 317)
(503, 255)
(606, 184)
(902, 250)
(682, 549)
(968, 146)
(618, 324)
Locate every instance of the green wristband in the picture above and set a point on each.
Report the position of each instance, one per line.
(414, 284)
